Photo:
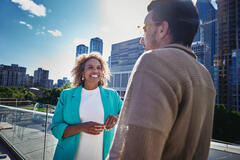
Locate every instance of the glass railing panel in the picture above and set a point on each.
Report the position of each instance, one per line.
(51, 141)
(30, 134)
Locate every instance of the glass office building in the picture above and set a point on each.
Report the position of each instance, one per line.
(121, 62)
(207, 29)
(96, 45)
(227, 57)
(202, 51)
(81, 49)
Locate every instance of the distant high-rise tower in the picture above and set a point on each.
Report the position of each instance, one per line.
(13, 75)
(96, 45)
(228, 53)
(206, 30)
(202, 52)
(63, 81)
(40, 78)
(81, 49)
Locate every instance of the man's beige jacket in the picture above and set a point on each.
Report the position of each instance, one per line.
(168, 108)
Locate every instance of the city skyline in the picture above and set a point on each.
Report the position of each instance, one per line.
(44, 34)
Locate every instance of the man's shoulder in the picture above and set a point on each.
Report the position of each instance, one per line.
(156, 56)
(159, 53)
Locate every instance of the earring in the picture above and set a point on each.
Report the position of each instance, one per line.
(82, 78)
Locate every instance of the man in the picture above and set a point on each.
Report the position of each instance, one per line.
(169, 103)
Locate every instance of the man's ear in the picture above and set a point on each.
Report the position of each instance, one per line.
(163, 29)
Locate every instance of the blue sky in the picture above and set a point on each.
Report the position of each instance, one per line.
(32, 33)
(37, 33)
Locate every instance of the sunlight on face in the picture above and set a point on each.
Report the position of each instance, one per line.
(92, 71)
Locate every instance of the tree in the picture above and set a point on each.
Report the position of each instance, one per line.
(19, 93)
(226, 124)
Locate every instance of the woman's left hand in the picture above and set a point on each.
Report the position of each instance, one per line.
(111, 122)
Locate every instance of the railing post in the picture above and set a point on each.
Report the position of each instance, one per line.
(45, 135)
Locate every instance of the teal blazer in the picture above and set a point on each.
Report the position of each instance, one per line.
(67, 113)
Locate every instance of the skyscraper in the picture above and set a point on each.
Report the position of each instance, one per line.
(50, 84)
(61, 82)
(228, 54)
(40, 78)
(96, 45)
(29, 81)
(207, 29)
(122, 59)
(81, 49)
(201, 49)
(12, 75)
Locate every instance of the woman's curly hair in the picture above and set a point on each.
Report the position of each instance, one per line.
(78, 69)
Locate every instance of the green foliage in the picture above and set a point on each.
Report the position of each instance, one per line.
(19, 93)
(226, 124)
(66, 86)
(50, 96)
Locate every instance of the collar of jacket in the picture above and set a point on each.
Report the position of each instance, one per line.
(181, 47)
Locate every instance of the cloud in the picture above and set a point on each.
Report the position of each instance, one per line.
(22, 22)
(28, 25)
(29, 5)
(38, 33)
(55, 33)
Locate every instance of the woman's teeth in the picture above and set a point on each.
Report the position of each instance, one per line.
(94, 76)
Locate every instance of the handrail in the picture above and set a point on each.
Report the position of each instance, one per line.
(13, 101)
(224, 142)
(225, 146)
(8, 98)
(27, 110)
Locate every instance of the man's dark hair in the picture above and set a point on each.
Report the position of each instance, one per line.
(181, 15)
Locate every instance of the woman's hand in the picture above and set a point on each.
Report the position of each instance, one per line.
(93, 128)
(111, 122)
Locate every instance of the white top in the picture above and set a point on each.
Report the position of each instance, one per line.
(91, 109)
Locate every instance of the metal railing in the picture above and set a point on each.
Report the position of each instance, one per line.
(29, 133)
(14, 102)
(225, 146)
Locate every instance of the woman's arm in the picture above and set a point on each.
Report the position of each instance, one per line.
(58, 124)
(87, 127)
(112, 120)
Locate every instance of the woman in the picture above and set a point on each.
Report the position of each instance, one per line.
(86, 114)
